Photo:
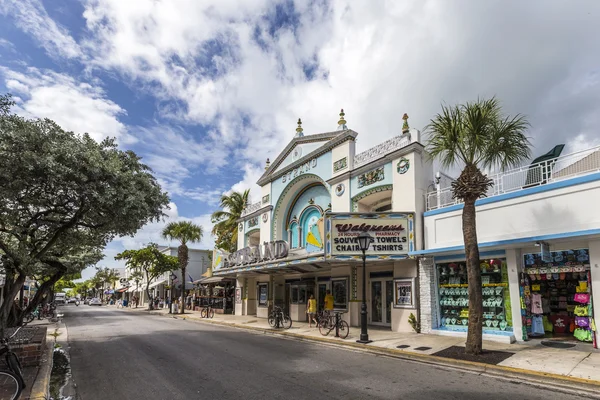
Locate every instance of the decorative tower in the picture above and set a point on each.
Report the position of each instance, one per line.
(342, 122)
(267, 164)
(299, 129)
(405, 128)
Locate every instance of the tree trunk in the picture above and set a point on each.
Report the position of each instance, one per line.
(474, 334)
(11, 288)
(182, 254)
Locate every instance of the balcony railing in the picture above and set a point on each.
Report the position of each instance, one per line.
(251, 208)
(557, 169)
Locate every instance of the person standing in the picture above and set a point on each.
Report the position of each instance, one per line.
(311, 309)
(329, 302)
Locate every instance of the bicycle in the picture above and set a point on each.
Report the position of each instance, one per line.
(11, 380)
(325, 317)
(342, 329)
(277, 319)
(207, 311)
(40, 312)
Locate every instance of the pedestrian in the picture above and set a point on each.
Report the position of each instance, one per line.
(136, 300)
(328, 302)
(311, 309)
(188, 301)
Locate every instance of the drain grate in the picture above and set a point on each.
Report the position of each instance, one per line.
(557, 345)
(422, 348)
(403, 346)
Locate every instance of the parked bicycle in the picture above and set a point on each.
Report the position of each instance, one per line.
(278, 319)
(40, 313)
(342, 329)
(325, 318)
(11, 379)
(207, 311)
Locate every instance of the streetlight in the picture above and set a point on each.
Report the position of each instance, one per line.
(364, 241)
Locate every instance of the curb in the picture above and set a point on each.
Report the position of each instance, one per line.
(568, 384)
(40, 389)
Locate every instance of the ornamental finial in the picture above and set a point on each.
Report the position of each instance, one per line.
(267, 164)
(299, 129)
(405, 128)
(342, 122)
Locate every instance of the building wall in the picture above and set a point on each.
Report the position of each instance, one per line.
(198, 263)
(557, 211)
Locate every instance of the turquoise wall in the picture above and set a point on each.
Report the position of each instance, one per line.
(388, 170)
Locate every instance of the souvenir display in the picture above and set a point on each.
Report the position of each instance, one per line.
(557, 293)
(454, 295)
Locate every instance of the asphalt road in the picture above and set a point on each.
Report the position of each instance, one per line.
(120, 354)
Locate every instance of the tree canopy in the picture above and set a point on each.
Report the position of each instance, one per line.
(149, 262)
(225, 220)
(63, 197)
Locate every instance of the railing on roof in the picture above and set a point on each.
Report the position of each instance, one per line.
(395, 143)
(251, 208)
(557, 169)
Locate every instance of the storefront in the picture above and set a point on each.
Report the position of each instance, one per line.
(299, 240)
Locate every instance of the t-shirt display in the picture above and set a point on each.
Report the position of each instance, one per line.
(558, 288)
(454, 295)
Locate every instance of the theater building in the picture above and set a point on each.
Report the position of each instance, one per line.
(299, 238)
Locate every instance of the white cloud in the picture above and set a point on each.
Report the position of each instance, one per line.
(32, 18)
(74, 105)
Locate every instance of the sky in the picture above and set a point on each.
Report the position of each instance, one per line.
(206, 90)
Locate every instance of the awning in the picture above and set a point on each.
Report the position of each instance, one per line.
(162, 282)
(215, 279)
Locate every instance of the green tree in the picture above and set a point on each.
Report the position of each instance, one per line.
(476, 136)
(63, 197)
(184, 232)
(225, 220)
(148, 263)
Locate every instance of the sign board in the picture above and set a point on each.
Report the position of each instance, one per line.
(392, 233)
(268, 251)
(545, 252)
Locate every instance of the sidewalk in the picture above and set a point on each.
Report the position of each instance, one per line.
(577, 367)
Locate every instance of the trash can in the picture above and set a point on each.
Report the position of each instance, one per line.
(125, 303)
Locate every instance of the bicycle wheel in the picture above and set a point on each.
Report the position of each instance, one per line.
(287, 322)
(211, 313)
(29, 317)
(271, 320)
(15, 366)
(10, 386)
(204, 313)
(344, 329)
(324, 328)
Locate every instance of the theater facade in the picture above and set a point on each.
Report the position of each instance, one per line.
(299, 238)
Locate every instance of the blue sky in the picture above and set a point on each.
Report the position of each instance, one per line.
(206, 90)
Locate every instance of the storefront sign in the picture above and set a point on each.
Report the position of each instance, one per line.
(253, 254)
(307, 166)
(392, 235)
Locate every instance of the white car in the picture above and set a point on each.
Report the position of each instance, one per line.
(95, 302)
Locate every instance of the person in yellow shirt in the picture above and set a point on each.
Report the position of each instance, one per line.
(311, 309)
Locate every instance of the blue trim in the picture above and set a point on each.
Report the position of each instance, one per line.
(482, 254)
(520, 193)
(500, 243)
(485, 331)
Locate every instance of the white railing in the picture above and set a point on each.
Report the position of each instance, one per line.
(557, 169)
(251, 208)
(381, 149)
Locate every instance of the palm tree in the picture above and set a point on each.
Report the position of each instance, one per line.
(184, 231)
(476, 136)
(225, 220)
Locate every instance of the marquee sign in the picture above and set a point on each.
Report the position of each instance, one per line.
(267, 251)
(393, 233)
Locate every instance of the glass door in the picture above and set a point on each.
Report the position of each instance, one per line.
(382, 295)
(323, 287)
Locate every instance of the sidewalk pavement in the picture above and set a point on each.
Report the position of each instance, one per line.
(579, 365)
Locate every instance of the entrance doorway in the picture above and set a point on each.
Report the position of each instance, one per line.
(382, 296)
(322, 289)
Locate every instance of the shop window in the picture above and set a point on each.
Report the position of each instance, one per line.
(300, 292)
(339, 290)
(556, 294)
(263, 294)
(453, 295)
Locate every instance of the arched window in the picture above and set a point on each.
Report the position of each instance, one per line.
(293, 235)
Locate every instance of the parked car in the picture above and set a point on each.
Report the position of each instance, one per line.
(95, 302)
(72, 300)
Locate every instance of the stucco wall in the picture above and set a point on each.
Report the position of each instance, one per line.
(554, 212)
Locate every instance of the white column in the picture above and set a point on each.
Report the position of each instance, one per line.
(594, 247)
(428, 304)
(513, 263)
